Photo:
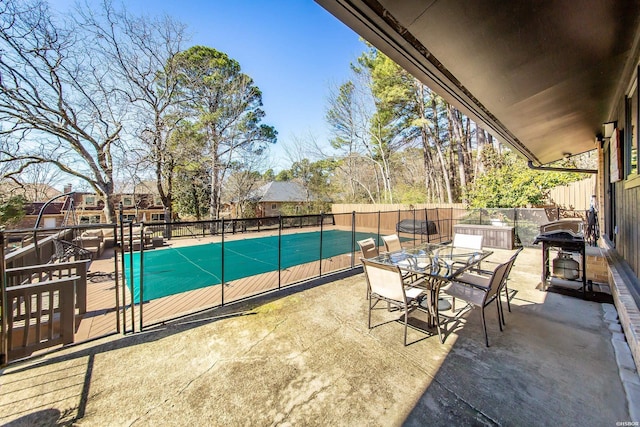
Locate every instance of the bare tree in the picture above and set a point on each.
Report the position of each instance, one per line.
(58, 102)
(37, 181)
(360, 139)
(243, 179)
(142, 52)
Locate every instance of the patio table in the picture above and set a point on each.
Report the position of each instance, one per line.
(435, 265)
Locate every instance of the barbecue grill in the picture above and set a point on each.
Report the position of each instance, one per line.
(415, 226)
(569, 266)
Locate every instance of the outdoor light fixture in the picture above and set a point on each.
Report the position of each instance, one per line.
(607, 129)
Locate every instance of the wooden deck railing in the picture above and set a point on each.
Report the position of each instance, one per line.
(46, 272)
(40, 315)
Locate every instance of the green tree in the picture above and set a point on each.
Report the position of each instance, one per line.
(269, 175)
(11, 210)
(226, 105)
(182, 171)
(511, 183)
(284, 175)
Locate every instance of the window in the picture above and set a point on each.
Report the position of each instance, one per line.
(274, 206)
(633, 155)
(631, 134)
(90, 200)
(127, 201)
(157, 201)
(157, 217)
(129, 217)
(90, 219)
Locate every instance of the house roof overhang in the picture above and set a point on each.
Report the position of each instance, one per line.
(542, 77)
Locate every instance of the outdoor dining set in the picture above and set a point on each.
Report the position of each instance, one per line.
(418, 278)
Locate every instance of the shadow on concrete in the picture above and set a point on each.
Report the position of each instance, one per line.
(150, 334)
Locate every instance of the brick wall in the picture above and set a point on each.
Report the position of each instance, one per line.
(597, 267)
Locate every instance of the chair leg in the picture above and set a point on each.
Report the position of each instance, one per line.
(484, 327)
(501, 310)
(406, 314)
(500, 319)
(506, 292)
(370, 307)
(436, 314)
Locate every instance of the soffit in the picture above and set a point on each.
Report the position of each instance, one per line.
(542, 76)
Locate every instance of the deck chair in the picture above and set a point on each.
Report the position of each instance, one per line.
(469, 241)
(386, 284)
(480, 291)
(392, 243)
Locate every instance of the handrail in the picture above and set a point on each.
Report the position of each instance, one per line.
(44, 267)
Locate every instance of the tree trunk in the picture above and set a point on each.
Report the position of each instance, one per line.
(443, 163)
(458, 137)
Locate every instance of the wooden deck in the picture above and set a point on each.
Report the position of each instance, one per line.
(100, 318)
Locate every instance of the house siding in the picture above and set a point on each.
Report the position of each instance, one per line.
(628, 220)
(626, 201)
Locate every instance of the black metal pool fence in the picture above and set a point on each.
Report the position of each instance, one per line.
(24, 248)
(526, 223)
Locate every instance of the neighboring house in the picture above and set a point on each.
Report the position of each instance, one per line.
(271, 197)
(52, 216)
(88, 208)
(31, 192)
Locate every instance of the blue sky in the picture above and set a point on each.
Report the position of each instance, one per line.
(293, 49)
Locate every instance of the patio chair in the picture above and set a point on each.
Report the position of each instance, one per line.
(511, 260)
(387, 284)
(480, 291)
(392, 243)
(368, 249)
(469, 241)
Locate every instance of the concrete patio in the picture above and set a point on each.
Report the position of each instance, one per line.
(304, 356)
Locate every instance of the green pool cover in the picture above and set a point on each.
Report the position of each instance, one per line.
(174, 270)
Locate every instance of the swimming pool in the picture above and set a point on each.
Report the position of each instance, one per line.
(179, 269)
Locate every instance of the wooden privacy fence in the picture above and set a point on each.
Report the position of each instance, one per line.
(339, 208)
(576, 195)
(386, 221)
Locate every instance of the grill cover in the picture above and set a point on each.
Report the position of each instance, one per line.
(416, 227)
